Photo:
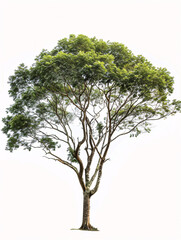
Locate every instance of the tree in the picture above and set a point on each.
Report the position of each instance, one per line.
(82, 96)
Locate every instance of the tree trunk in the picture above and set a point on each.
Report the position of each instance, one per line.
(86, 213)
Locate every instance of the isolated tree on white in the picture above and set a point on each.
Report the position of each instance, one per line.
(81, 96)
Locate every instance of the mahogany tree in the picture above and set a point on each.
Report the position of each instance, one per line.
(81, 96)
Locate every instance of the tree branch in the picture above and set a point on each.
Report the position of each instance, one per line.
(70, 166)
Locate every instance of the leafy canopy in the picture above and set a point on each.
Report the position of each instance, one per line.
(100, 88)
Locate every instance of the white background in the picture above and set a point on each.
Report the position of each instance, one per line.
(140, 192)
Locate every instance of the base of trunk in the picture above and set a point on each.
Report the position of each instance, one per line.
(88, 228)
(85, 229)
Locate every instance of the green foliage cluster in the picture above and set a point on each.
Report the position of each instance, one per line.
(71, 155)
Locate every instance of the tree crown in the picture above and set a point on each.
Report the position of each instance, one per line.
(100, 87)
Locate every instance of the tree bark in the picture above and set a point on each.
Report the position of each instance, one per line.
(86, 213)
